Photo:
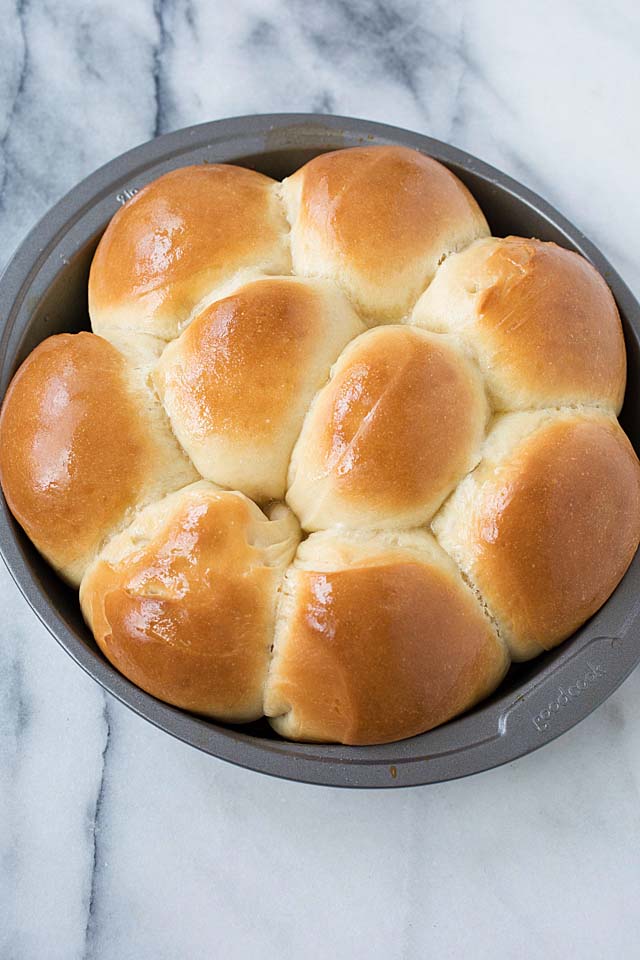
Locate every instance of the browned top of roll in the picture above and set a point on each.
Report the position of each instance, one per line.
(398, 425)
(563, 532)
(379, 652)
(380, 217)
(548, 535)
(541, 319)
(74, 448)
(237, 383)
(346, 193)
(179, 237)
(551, 317)
(243, 361)
(183, 603)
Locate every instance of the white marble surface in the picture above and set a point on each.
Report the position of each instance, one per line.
(117, 842)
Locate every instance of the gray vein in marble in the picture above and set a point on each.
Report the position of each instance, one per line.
(389, 33)
(262, 34)
(5, 140)
(84, 47)
(417, 50)
(460, 109)
(263, 42)
(15, 704)
(323, 102)
(95, 819)
(471, 71)
(157, 71)
(16, 710)
(166, 14)
(190, 16)
(17, 699)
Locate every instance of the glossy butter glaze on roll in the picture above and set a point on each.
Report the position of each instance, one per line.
(540, 320)
(82, 443)
(425, 414)
(238, 382)
(547, 525)
(378, 220)
(378, 639)
(183, 601)
(397, 427)
(180, 239)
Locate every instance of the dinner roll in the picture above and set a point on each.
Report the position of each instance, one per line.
(183, 601)
(237, 383)
(437, 408)
(377, 220)
(178, 240)
(540, 319)
(388, 438)
(547, 524)
(82, 442)
(377, 638)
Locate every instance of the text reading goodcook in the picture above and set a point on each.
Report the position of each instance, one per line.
(566, 694)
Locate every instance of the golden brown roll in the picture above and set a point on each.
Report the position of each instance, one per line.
(178, 240)
(482, 401)
(377, 639)
(82, 442)
(392, 433)
(377, 220)
(238, 382)
(540, 319)
(547, 524)
(183, 601)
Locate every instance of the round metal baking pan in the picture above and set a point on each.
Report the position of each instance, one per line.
(44, 291)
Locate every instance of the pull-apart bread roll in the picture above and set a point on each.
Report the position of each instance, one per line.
(540, 320)
(82, 443)
(183, 601)
(377, 220)
(180, 239)
(548, 523)
(378, 638)
(397, 427)
(238, 382)
(436, 407)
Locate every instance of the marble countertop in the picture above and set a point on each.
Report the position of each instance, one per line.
(119, 842)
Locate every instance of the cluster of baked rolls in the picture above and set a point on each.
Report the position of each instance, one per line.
(332, 453)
